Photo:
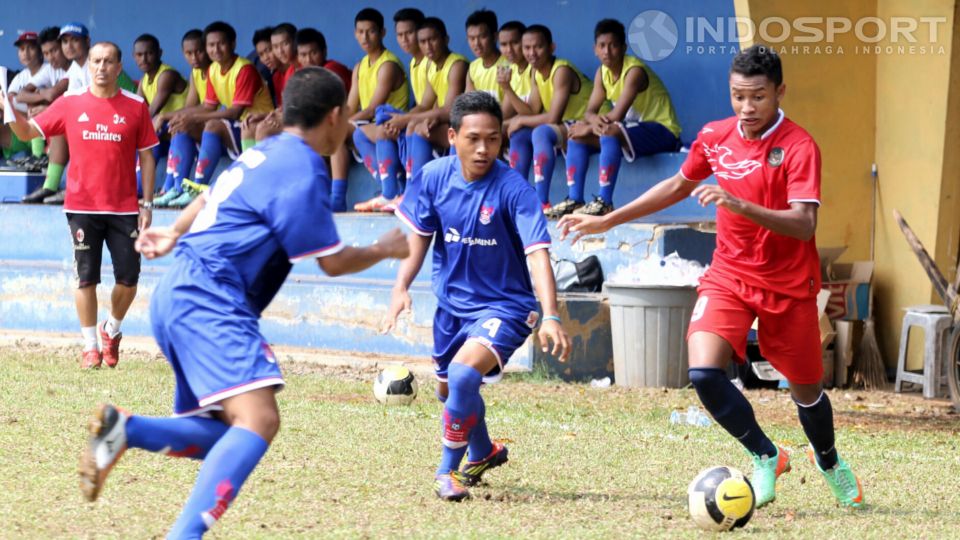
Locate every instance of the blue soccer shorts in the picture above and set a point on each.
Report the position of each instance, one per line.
(500, 334)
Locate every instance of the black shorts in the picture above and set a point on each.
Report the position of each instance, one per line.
(89, 231)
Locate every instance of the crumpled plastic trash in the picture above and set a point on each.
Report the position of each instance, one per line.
(670, 270)
(600, 383)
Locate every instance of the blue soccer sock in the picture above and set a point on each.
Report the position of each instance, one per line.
(183, 151)
(521, 151)
(730, 409)
(226, 468)
(421, 152)
(388, 159)
(610, 158)
(338, 195)
(480, 444)
(367, 150)
(817, 422)
(158, 151)
(544, 158)
(578, 158)
(461, 413)
(185, 436)
(211, 150)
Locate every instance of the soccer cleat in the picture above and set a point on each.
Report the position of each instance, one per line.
(843, 483)
(472, 471)
(449, 487)
(164, 200)
(56, 198)
(37, 196)
(90, 359)
(108, 441)
(596, 207)
(184, 199)
(564, 207)
(766, 470)
(110, 346)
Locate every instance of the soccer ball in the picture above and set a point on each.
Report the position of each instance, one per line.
(720, 499)
(395, 385)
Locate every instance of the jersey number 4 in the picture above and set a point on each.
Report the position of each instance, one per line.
(491, 326)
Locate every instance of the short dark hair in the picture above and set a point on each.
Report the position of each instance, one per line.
(309, 95)
(413, 15)
(148, 38)
(371, 15)
(116, 48)
(221, 27)
(758, 60)
(306, 36)
(610, 26)
(192, 34)
(285, 28)
(262, 34)
(513, 26)
(475, 102)
(540, 29)
(48, 34)
(435, 24)
(483, 17)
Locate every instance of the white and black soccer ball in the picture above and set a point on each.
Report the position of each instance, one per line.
(720, 499)
(395, 385)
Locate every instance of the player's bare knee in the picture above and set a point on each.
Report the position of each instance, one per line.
(806, 394)
(213, 126)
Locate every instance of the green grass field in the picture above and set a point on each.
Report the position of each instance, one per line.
(585, 463)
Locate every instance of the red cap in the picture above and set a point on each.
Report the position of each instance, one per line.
(26, 36)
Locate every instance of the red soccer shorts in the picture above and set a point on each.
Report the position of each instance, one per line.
(788, 328)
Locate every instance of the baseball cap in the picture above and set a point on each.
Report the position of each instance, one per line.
(26, 36)
(75, 29)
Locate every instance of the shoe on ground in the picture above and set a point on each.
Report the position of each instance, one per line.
(766, 470)
(164, 200)
(183, 200)
(90, 359)
(562, 208)
(844, 485)
(376, 204)
(37, 196)
(108, 441)
(472, 471)
(109, 346)
(596, 207)
(449, 487)
(56, 198)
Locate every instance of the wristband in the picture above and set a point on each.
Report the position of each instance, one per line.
(147, 205)
(551, 318)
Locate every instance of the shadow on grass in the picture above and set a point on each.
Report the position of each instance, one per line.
(514, 493)
(902, 421)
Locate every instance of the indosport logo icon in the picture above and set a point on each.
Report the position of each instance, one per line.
(653, 35)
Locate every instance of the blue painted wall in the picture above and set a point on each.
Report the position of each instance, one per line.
(697, 82)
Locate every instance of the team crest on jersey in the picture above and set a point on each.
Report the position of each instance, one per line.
(486, 214)
(775, 157)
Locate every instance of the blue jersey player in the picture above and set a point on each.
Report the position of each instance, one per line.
(265, 212)
(486, 225)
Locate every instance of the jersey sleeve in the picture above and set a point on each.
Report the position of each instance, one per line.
(51, 122)
(803, 173)
(248, 84)
(303, 222)
(529, 220)
(416, 210)
(146, 137)
(696, 167)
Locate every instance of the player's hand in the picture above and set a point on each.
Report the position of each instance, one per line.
(712, 194)
(400, 302)
(581, 225)
(504, 74)
(144, 219)
(608, 129)
(552, 333)
(514, 126)
(395, 244)
(156, 242)
(158, 121)
(579, 129)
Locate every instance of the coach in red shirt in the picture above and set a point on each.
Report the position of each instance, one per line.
(765, 267)
(105, 128)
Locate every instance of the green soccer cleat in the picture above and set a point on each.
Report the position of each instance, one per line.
(184, 199)
(164, 200)
(766, 470)
(843, 483)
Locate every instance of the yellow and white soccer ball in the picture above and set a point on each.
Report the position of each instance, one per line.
(395, 385)
(720, 499)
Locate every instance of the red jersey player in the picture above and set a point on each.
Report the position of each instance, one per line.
(765, 266)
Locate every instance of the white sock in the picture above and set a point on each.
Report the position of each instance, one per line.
(113, 326)
(89, 334)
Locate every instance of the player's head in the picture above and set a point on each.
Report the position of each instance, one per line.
(538, 46)
(482, 33)
(147, 53)
(311, 47)
(283, 41)
(476, 122)
(28, 50)
(509, 39)
(406, 23)
(51, 49)
(313, 103)
(368, 29)
(221, 41)
(194, 50)
(104, 63)
(264, 48)
(433, 39)
(75, 40)
(756, 88)
(610, 42)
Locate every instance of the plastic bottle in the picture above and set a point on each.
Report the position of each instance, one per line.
(693, 416)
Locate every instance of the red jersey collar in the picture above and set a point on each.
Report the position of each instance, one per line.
(768, 132)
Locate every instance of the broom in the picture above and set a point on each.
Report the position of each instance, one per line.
(868, 367)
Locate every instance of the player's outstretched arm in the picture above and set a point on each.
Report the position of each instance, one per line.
(546, 287)
(666, 193)
(799, 221)
(158, 241)
(350, 260)
(400, 297)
